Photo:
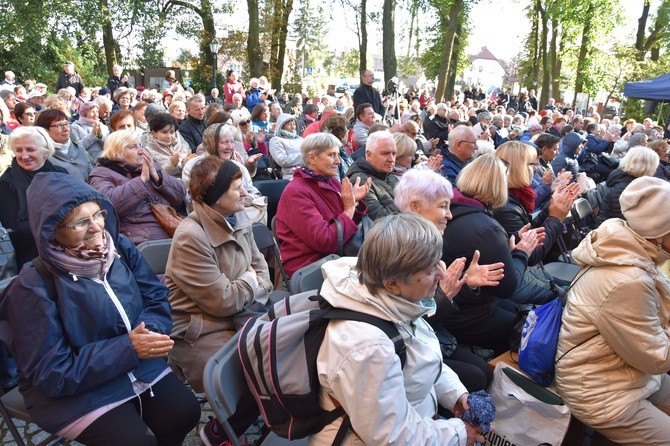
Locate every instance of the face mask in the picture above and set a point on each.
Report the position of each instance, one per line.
(428, 303)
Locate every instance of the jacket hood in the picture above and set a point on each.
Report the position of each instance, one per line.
(342, 289)
(615, 243)
(283, 119)
(570, 142)
(52, 196)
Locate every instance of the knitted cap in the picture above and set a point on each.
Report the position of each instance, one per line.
(86, 106)
(643, 203)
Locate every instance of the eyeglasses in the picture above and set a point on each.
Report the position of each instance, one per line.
(245, 122)
(85, 223)
(469, 142)
(60, 126)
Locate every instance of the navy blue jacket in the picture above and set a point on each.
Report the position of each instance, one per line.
(73, 349)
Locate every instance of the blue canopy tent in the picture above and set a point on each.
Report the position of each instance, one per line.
(656, 89)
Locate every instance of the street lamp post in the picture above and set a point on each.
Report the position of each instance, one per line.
(214, 49)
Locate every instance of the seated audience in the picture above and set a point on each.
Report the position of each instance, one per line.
(612, 359)
(91, 346)
(88, 132)
(131, 179)
(312, 202)
(285, 146)
(461, 150)
(166, 146)
(661, 148)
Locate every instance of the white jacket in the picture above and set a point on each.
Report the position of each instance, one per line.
(357, 366)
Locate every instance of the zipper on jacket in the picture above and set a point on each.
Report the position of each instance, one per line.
(117, 303)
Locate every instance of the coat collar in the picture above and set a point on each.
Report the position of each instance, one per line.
(216, 227)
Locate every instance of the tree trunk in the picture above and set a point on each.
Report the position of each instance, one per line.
(544, 57)
(447, 49)
(535, 50)
(555, 59)
(453, 63)
(582, 63)
(412, 18)
(254, 52)
(363, 44)
(285, 13)
(641, 30)
(388, 41)
(108, 37)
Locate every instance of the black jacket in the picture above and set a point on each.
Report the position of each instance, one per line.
(437, 127)
(616, 182)
(366, 93)
(512, 216)
(73, 80)
(472, 228)
(191, 130)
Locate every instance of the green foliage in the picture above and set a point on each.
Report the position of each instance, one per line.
(346, 63)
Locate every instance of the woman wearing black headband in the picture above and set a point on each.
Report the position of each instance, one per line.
(215, 273)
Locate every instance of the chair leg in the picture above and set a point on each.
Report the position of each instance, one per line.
(11, 426)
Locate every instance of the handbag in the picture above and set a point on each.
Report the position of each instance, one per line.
(8, 266)
(167, 217)
(353, 245)
(526, 414)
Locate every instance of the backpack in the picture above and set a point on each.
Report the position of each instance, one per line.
(539, 339)
(278, 353)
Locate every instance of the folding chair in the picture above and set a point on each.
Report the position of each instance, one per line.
(273, 190)
(309, 277)
(13, 406)
(156, 253)
(266, 242)
(227, 391)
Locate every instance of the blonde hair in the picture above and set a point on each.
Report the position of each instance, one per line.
(517, 155)
(116, 143)
(406, 146)
(484, 179)
(639, 161)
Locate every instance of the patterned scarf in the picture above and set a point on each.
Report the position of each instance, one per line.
(82, 260)
(526, 195)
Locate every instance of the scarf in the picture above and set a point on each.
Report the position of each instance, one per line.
(20, 180)
(121, 167)
(63, 148)
(83, 260)
(85, 122)
(286, 134)
(526, 195)
(313, 174)
(161, 147)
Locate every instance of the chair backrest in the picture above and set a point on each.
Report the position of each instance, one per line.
(156, 253)
(581, 208)
(273, 190)
(309, 277)
(266, 242)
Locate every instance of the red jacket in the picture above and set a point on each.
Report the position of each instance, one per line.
(305, 220)
(315, 126)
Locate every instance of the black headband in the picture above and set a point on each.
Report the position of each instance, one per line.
(221, 183)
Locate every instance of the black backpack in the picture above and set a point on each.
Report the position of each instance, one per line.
(278, 352)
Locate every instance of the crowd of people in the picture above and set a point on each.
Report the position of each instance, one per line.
(469, 198)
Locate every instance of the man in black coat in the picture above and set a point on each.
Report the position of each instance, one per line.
(115, 80)
(366, 93)
(193, 127)
(70, 78)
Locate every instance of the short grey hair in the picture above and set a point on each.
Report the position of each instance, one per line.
(37, 135)
(195, 98)
(317, 143)
(483, 116)
(423, 185)
(375, 138)
(397, 247)
(639, 161)
(636, 139)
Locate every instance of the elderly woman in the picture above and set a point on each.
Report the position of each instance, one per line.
(88, 132)
(285, 146)
(480, 320)
(394, 278)
(178, 111)
(218, 141)
(127, 174)
(404, 157)
(336, 125)
(215, 273)
(68, 154)
(312, 202)
(612, 358)
(93, 307)
(638, 162)
(123, 120)
(32, 147)
(122, 99)
(429, 194)
(165, 144)
(661, 148)
(24, 113)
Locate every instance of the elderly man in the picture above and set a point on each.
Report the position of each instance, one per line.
(104, 108)
(367, 94)
(70, 78)
(10, 80)
(213, 97)
(365, 117)
(377, 166)
(462, 146)
(36, 99)
(193, 127)
(437, 126)
(115, 80)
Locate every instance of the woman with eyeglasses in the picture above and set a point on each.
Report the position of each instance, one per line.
(32, 148)
(133, 181)
(25, 114)
(68, 154)
(89, 327)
